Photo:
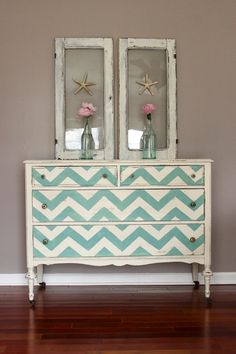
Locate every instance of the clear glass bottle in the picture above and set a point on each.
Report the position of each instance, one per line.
(87, 142)
(148, 142)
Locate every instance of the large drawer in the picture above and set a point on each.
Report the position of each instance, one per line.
(118, 240)
(118, 205)
(83, 176)
(161, 175)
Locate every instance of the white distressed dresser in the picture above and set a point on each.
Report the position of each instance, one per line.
(118, 212)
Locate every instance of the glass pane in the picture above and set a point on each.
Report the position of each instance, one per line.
(147, 65)
(83, 65)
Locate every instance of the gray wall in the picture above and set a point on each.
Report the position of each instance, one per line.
(205, 31)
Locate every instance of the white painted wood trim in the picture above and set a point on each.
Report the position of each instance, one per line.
(147, 43)
(208, 216)
(61, 44)
(83, 42)
(123, 122)
(120, 261)
(171, 96)
(173, 162)
(223, 278)
(131, 43)
(59, 97)
(28, 198)
(108, 100)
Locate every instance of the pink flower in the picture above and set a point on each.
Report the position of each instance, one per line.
(148, 108)
(87, 110)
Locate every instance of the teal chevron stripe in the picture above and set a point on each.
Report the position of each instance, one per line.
(174, 252)
(175, 172)
(177, 214)
(140, 172)
(196, 168)
(105, 234)
(105, 213)
(68, 212)
(140, 251)
(49, 168)
(38, 254)
(69, 253)
(69, 172)
(104, 253)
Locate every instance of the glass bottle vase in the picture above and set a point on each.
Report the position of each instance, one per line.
(87, 142)
(148, 142)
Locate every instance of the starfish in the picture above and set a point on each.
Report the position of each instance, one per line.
(83, 85)
(147, 83)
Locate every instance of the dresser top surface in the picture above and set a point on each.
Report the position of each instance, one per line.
(118, 162)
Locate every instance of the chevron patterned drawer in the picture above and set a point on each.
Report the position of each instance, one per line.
(118, 205)
(118, 240)
(84, 176)
(192, 175)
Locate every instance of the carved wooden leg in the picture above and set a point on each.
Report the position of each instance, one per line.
(195, 275)
(207, 273)
(31, 277)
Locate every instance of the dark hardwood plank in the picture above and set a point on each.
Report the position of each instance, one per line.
(118, 319)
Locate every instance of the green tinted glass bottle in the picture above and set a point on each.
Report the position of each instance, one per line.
(148, 142)
(87, 142)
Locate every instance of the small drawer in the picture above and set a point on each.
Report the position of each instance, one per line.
(161, 175)
(82, 176)
(129, 240)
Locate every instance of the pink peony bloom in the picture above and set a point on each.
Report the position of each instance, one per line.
(148, 108)
(87, 110)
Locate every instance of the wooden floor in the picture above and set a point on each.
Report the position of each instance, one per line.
(118, 319)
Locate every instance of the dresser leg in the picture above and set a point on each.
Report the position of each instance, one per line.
(195, 275)
(42, 284)
(207, 273)
(31, 277)
(40, 273)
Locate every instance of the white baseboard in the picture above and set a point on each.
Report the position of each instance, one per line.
(119, 279)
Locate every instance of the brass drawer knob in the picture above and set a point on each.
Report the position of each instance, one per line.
(193, 204)
(192, 239)
(45, 241)
(193, 175)
(104, 175)
(44, 206)
(43, 176)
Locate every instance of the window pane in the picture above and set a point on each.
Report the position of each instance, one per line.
(152, 64)
(83, 65)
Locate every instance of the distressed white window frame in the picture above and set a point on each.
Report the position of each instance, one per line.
(61, 44)
(166, 44)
